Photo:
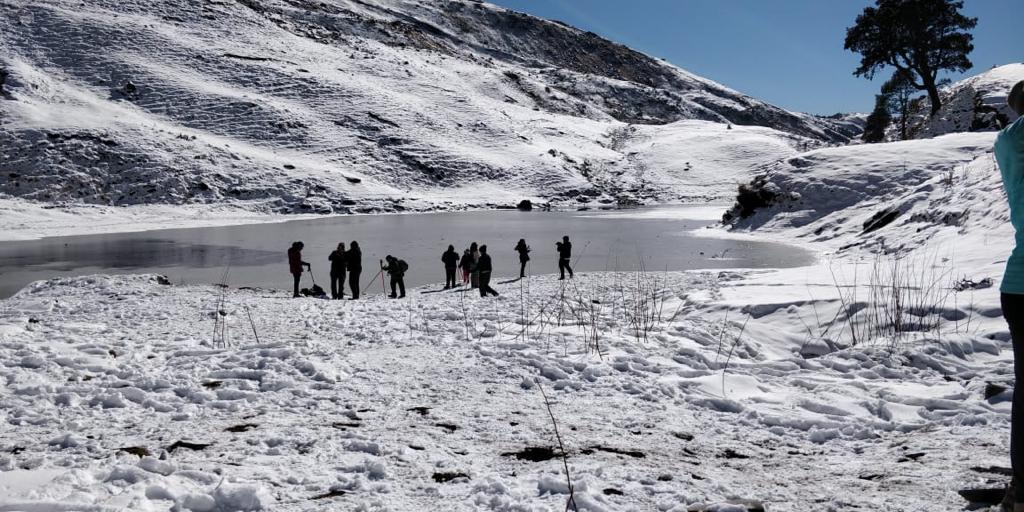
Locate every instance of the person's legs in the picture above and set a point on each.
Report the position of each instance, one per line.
(353, 284)
(341, 285)
(485, 278)
(394, 284)
(522, 269)
(567, 267)
(401, 286)
(449, 277)
(561, 268)
(295, 284)
(1013, 312)
(334, 286)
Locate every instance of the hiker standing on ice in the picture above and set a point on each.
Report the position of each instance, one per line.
(396, 269)
(337, 259)
(524, 256)
(354, 264)
(295, 264)
(466, 264)
(564, 257)
(1009, 150)
(451, 262)
(484, 267)
(474, 274)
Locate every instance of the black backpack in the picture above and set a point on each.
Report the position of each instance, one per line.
(403, 267)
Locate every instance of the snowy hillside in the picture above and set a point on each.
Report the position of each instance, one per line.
(348, 106)
(976, 103)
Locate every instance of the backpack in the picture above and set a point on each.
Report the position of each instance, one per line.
(403, 267)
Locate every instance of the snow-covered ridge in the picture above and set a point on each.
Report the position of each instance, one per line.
(351, 106)
(976, 103)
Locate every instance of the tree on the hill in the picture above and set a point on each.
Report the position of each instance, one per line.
(923, 37)
(878, 120)
(900, 91)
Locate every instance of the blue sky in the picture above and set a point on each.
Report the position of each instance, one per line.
(786, 52)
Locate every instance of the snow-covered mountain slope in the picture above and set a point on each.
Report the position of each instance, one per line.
(831, 193)
(929, 217)
(295, 106)
(976, 103)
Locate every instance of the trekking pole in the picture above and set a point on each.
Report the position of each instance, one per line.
(580, 254)
(372, 280)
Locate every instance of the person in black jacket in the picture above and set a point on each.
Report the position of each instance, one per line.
(524, 256)
(337, 259)
(451, 262)
(396, 269)
(295, 265)
(354, 264)
(483, 265)
(466, 264)
(564, 257)
(474, 273)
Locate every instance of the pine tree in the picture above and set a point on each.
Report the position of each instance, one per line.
(878, 120)
(899, 90)
(921, 37)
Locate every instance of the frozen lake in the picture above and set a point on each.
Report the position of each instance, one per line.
(602, 240)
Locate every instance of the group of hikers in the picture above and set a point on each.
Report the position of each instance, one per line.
(475, 264)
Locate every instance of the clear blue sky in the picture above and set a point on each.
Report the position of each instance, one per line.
(786, 52)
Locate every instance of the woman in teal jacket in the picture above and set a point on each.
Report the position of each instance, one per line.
(1009, 151)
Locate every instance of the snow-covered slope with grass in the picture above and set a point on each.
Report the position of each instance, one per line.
(120, 396)
(350, 106)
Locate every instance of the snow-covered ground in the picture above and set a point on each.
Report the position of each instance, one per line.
(435, 402)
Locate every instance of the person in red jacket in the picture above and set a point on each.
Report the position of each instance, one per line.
(295, 264)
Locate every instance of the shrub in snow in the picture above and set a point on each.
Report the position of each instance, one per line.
(760, 193)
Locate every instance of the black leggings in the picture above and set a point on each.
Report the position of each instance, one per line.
(563, 265)
(353, 282)
(399, 282)
(295, 285)
(338, 285)
(1013, 312)
(449, 277)
(485, 285)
